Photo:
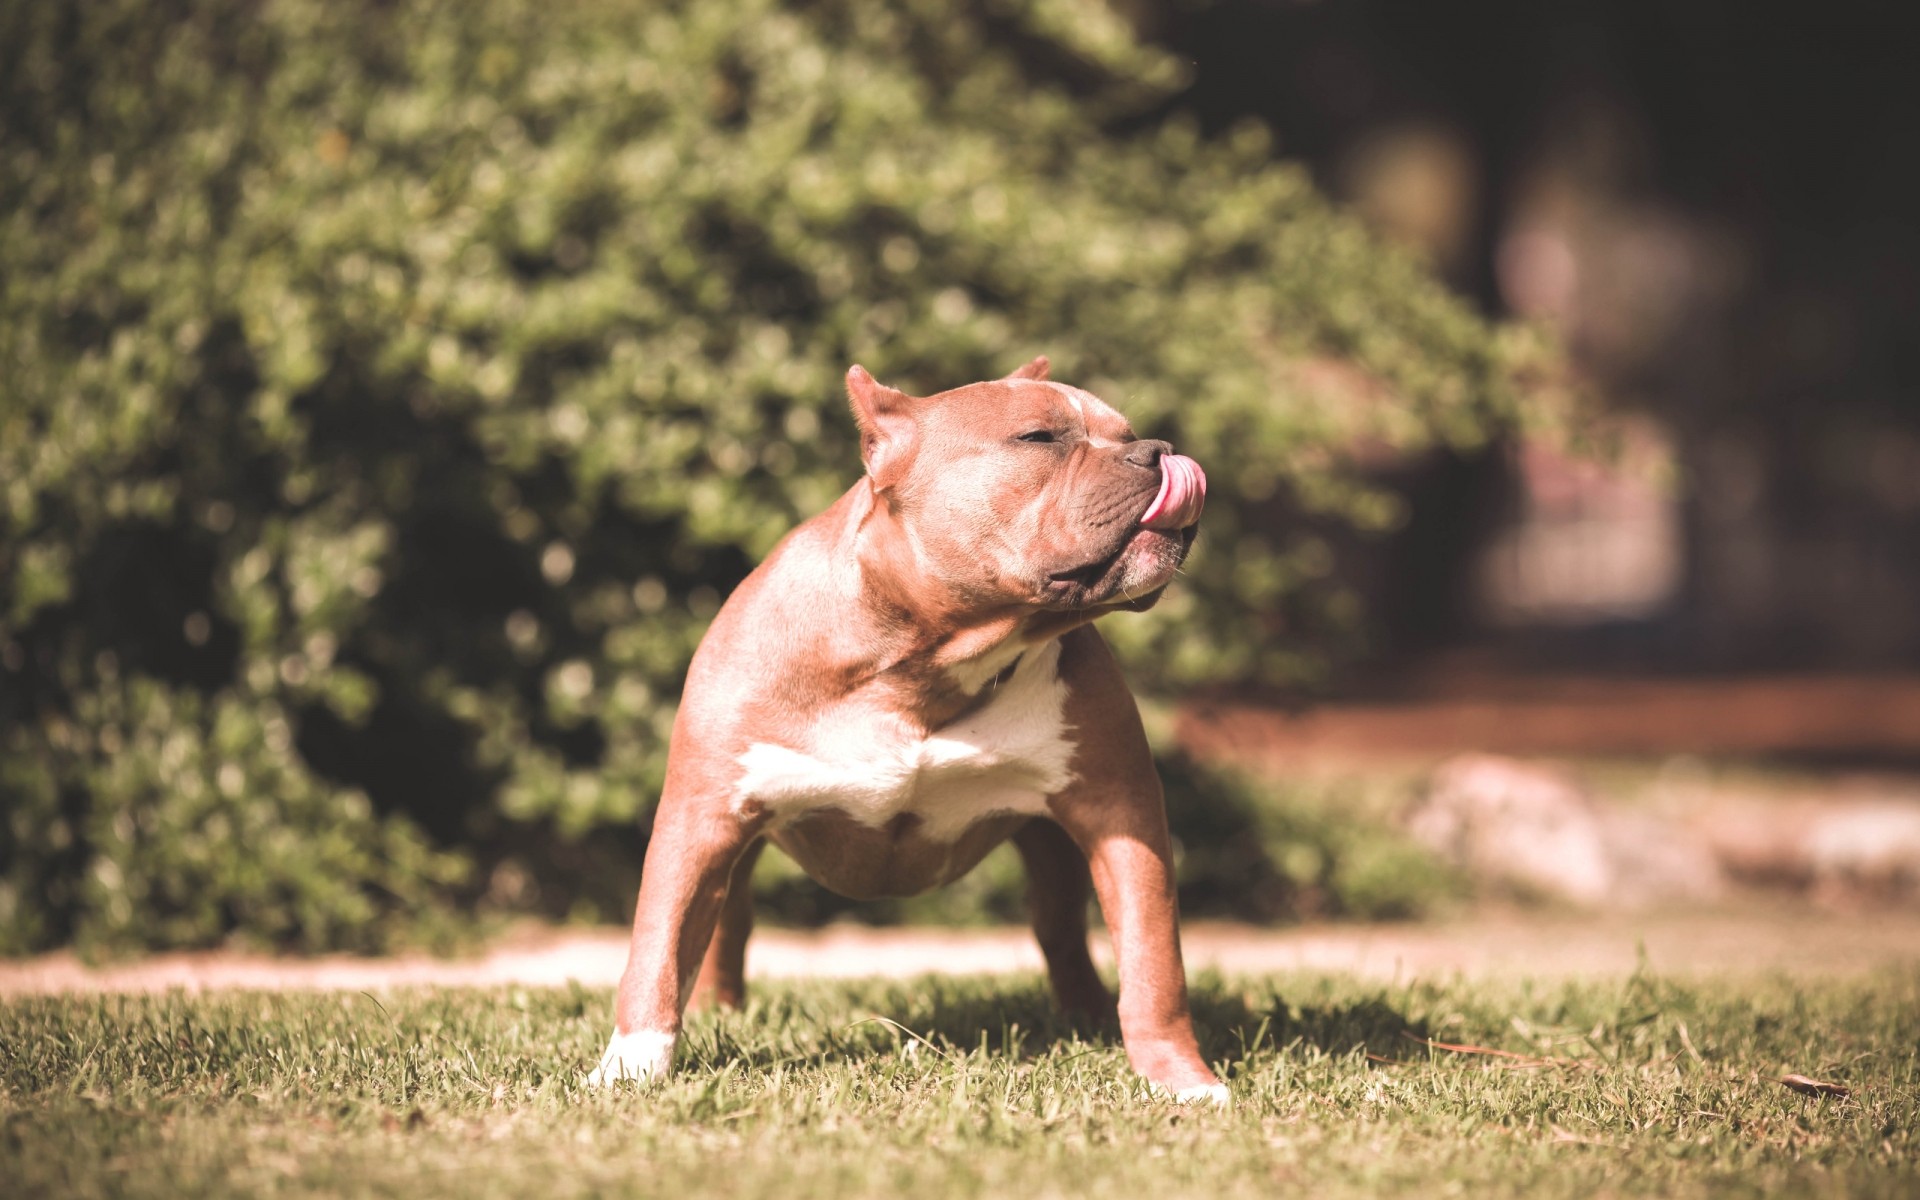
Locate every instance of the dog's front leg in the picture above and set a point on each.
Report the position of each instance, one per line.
(683, 885)
(1115, 810)
(1133, 877)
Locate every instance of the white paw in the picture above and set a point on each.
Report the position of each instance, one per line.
(1215, 1094)
(642, 1055)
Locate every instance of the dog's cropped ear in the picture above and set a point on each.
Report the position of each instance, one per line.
(885, 417)
(1037, 369)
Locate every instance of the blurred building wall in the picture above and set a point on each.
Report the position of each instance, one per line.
(1714, 205)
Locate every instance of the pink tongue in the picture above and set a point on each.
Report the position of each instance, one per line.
(1183, 493)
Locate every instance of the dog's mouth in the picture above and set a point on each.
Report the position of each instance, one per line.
(1148, 551)
(1089, 575)
(1132, 574)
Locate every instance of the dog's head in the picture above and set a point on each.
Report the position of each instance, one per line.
(1022, 490)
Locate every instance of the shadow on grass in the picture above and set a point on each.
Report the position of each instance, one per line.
(1231, 1027)
(1021, 1020)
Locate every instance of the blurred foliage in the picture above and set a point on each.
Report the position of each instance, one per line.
(1306, 847)
(393, 391)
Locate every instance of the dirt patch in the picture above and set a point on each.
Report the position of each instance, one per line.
(1789, 941)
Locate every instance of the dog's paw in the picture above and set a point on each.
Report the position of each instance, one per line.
(1215, 1094)
(641, 1056)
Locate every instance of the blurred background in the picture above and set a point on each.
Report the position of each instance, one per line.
(393, 391)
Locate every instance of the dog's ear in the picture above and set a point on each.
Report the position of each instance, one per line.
(885, 417)
(1037, 369)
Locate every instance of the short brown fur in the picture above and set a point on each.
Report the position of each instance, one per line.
(998, 516)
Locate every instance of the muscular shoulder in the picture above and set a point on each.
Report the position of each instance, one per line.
(1100, 707)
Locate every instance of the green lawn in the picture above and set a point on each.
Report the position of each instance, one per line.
(1628, 1086)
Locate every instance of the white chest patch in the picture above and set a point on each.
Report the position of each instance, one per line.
(978, 673)
(1006, 757)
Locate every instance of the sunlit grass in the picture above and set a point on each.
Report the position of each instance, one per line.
(970, 1087)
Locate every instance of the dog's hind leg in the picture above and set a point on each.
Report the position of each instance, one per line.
(1058, 889)
(723, 973)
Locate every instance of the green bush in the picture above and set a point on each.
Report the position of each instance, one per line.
(393, 391)
(1314, 846)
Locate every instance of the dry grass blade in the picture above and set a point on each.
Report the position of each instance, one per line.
(1686, 1042)
(1566, 1137)
(1814, 1087)
(914, 1037)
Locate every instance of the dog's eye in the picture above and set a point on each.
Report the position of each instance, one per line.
(1038, 435)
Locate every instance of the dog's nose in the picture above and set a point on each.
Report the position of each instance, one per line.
(1147, 454)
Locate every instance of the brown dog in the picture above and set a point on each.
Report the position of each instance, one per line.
(910, 679)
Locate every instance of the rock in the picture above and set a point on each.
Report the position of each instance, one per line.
(1526, 828)
(1516, 826)
(1840, 850)
(1659, 861)
(1867, 850)
(1762, 843)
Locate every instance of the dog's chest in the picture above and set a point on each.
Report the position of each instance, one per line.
(1005, 757)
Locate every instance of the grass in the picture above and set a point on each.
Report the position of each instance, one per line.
(1621, 1087)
